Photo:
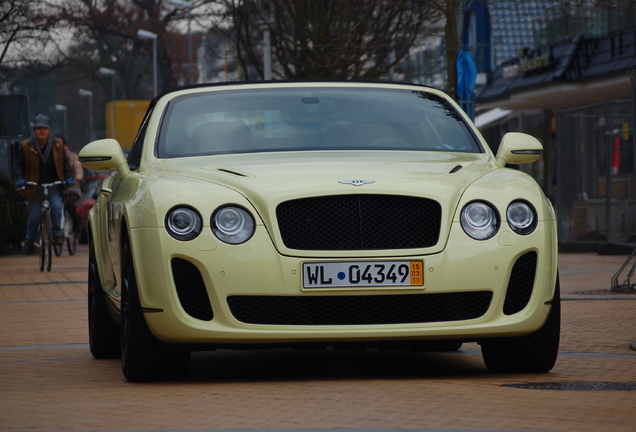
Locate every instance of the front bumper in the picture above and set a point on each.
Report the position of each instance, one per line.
(257, 269)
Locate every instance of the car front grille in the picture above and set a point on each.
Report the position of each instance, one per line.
(359, 222)
(521, 283)
(359, 310)
(191, 289)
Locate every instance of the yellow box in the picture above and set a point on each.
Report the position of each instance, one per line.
(123, 118)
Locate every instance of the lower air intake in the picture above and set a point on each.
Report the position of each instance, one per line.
(359, 310)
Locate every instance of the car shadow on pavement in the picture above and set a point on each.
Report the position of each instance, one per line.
(329, 364)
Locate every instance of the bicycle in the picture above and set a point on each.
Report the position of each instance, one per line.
(68, 236)
(45, 234)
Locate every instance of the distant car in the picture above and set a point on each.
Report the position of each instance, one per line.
(90, 188)
(316, 214)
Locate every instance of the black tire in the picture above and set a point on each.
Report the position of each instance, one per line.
(143, 358)
(71, 243)
(46, 250)
(103, 331)
(49, 245)
(83, 237)
(58, 249)
(41, 256)
(536, 353)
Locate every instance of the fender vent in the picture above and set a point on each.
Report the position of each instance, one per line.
(191, 289)
(521, 283)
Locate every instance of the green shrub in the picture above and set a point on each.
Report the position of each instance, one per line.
(13, 215)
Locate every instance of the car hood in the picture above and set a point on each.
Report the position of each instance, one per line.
(277, 177)
(267, 179)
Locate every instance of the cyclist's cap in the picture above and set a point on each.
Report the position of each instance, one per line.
(42, 121)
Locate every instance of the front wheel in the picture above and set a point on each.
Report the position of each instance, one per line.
(103, 331)
(40, 245)
(535, 353)
(46, 242)
(69, 234)
(143, 359)
(71, 243)
(59, 248)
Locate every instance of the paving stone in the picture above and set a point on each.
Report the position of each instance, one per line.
(50, 382)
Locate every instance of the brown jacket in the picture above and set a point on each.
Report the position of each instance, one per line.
(28, 165)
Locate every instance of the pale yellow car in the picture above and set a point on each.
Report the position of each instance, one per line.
(318, 214)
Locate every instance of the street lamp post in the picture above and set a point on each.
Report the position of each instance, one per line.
(267, 61)
(144, 34)
(188, 5)
(267, 50)
(89, 93)
(113, 75)
(64, 110)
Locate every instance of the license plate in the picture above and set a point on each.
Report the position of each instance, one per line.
(363, 274)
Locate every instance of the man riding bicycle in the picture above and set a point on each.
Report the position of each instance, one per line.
(42, 159)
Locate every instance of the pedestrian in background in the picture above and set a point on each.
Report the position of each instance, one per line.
(74, 193)
(41, 159)
(74, 162)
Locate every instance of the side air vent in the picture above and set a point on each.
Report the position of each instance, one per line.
(191, 289)
(227, 171)
(521, 283)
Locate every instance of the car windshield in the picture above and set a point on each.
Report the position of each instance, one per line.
(265, 120)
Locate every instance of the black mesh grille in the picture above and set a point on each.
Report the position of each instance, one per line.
(359, 310)
(521, 283)
(359, 222)
(191, 289)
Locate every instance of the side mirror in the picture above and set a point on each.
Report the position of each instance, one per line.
(104, 155)
(518, 148)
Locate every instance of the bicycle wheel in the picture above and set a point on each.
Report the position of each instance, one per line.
(68, 234)
(47, 241)
(40, 243)
(66, 230)
(71, 243)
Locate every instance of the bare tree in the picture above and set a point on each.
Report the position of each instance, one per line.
(450, 10)
(106, 35)
(328, 39)
(23, 22)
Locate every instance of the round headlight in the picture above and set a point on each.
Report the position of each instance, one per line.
(183, 223)
(521, 217)
(479, 220)
(232, 225)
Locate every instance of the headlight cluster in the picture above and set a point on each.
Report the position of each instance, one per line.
(521, 217)
(480, 220)
(230, 224)
(183, 223)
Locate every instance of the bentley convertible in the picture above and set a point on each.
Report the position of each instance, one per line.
(318, 214)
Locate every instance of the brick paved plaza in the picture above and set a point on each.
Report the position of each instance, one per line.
(50, 382)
